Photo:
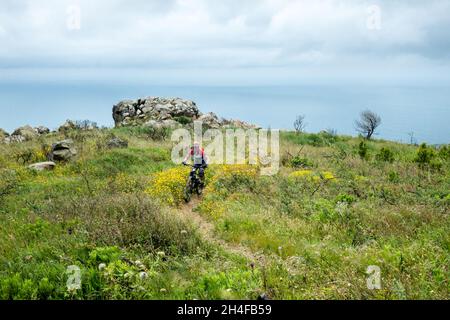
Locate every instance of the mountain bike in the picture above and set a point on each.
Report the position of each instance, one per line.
(194, 184)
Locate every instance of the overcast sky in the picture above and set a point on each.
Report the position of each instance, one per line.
(225, 41)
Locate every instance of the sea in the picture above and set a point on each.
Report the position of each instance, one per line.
(409, 113)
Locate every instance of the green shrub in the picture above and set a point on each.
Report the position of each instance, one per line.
(346, 198)
(363, 150)
(321, 139)
(183, 120)
(393, 177)
(385, 155)
(157, 133)
(299, 162)
(104, 255)
(436, 165)
(151, 132)
(444, 152)
(129, 220)
(9, 182)
(131, 160)
(424, 156)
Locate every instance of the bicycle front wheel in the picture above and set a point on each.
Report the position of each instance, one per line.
(188, 191)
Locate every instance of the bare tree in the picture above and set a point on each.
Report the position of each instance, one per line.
(300, 124)
(367, 124)
(412, 139)
(332, 132)
(86, 125)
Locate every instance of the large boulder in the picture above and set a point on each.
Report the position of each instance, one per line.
(140, 111)
(42, 166)
(27, 132)
(62, 151)
(22, 134)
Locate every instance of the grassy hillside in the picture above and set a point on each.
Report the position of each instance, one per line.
(337, 206)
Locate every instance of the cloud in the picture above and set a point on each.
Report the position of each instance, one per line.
(221, 35)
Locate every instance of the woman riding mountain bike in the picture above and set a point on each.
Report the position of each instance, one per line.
(199, 160)
(196, 183)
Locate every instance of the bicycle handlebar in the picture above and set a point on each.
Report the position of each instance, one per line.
(192, 166)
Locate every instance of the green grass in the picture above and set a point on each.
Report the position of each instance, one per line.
(316, 238)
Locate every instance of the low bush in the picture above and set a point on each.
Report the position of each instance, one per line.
(183, 120)
(130, 220)
(444, 152)
(169, 185)
(424, 156)
(363, 150)
(385, 155)
(228, 179)
(299, 162)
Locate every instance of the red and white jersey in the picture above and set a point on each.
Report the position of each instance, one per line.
(198, 157)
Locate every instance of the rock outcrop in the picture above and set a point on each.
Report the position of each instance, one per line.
(168, 113)
(62, 151)
(140, 111)
(27, 132)
(14, 139)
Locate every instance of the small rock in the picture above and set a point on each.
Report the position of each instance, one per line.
(42, 166)
(117, 143)
(143, 275)
(263, 297)
(102, 266)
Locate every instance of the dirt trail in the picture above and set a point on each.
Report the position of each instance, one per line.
(207, 231)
